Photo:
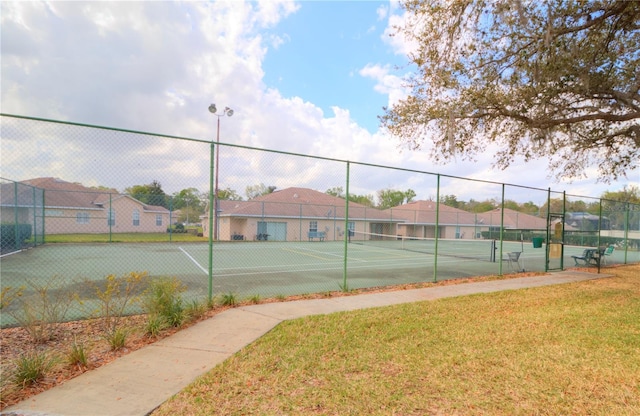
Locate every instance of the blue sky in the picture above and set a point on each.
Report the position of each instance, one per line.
(307, 77)
(326, 46)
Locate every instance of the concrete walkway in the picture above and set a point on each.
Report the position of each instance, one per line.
(139, 382)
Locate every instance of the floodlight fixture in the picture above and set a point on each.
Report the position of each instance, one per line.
(214, 110)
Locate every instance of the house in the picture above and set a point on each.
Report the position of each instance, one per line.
(513, 220)
(584, 221)
(301, 214)
(296, 214)
(71, 208)
(419, 219)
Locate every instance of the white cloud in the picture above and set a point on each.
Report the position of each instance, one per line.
(156, 67)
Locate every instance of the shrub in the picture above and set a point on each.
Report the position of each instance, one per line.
(43, 307)
(163, 298)
(194, 310)
(117, 338)
(8, 295)
(77, 355)
(229, 299)
(155, 325)
(32, 367)
(13, 236)
(114, 295)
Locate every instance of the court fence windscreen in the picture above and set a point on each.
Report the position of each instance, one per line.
(228, 219)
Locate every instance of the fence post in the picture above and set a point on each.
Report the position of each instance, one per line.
(170, 215)
(599, 234)
(35, 227)
(436, 231)
(564, 221)
(16, 226)
(346, 233)
(210, 231)
(627, 224)
(546, 250)
(110, 215)
(501, 233)
(43, 217)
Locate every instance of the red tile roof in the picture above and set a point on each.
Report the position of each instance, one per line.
(300, 202)
(62, 194)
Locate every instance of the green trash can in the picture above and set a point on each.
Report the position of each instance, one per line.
(537, 242)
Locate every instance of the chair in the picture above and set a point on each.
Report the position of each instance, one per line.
(607, 252)
(514, 261)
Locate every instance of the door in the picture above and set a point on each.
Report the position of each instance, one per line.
(555, 242)
(272, 231)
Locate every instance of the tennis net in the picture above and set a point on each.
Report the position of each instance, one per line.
(467, 249)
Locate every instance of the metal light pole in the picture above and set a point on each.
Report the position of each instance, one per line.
(226, 112)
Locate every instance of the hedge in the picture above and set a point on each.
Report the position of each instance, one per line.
(8, 239)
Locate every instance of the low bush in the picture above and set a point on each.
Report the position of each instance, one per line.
(32, 367)
(39, 306)
(163, 298)
(114, 295)
(77, 354)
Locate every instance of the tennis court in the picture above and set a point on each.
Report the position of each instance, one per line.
(268, 268)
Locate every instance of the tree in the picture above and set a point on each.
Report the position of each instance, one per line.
(366, 200)
(480, 206)
(189, 202)
(451, 201)
(254, 191)
(556, 80)
(229, 195)
(623, 208)
(338, 191)
(629, 194)
(530, 208)
(389, 198)
(189, 197)
(151, 194)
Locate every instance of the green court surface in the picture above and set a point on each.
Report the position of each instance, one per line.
(267, 269)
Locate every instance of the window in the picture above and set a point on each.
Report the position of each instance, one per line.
(351, 226)
(111, 219)
(158, 219)
(313, 226)
(82, 218)
(136, 217)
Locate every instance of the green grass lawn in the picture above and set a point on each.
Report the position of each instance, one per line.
(566, 349)
(122, 238)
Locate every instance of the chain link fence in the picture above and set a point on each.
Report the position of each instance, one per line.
(256, 222)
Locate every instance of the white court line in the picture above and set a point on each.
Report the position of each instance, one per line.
(340, 255)
(13, 252)
(194, 261)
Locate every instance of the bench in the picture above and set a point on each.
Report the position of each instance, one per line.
(316, 234)
(590, 256)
